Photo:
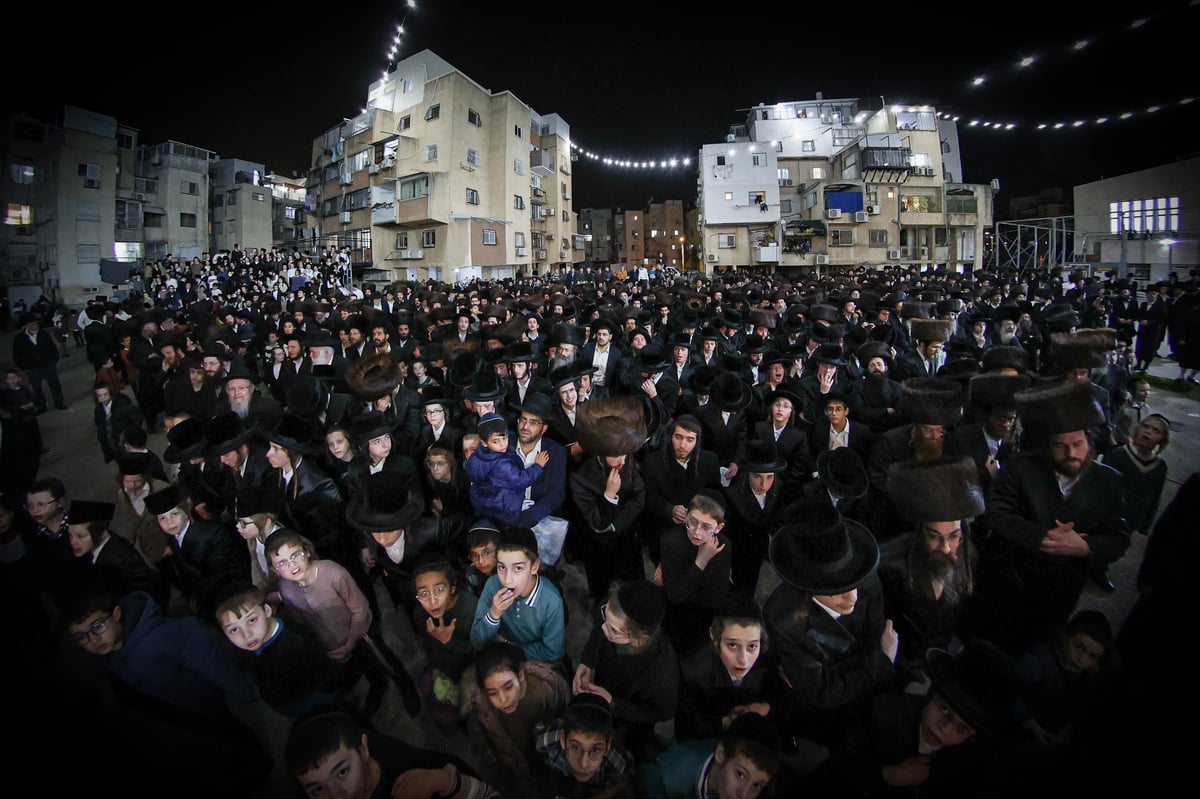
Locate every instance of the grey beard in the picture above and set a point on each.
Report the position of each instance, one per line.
(242, 409)
(1008, 338)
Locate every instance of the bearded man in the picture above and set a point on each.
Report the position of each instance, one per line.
(928, 573)
(1054, 514)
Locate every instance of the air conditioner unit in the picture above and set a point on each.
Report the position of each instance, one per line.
(373, 169)
(137, 195)
(541, 255)
(787, 182)
(860, 216)
(345, 217)
(412, 255)
(826, 118)
(389, 161)
(924, 252)
(24, 230)
(833, 213)
(872, 209)
(822, 260)
(712, 258)
(347, 179)
(547, 212)
(91, 183)
(522, 252)
(893, 255)
(730, 138)
(20, 275)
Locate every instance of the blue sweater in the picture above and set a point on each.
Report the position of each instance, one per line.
(498, 483)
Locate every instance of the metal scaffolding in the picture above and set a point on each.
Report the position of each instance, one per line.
(1029, 244)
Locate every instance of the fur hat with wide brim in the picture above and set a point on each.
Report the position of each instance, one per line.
(609, 427)
(1005, 356)
(931, 400)
(822, 552)
(929, 329)
(947, 490)
(1082, 349)
(981, 684)
(1059, 407)
(995, 390)
(373, 376)
(384, 502)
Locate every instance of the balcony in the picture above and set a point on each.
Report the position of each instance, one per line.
(766, 254)
(885, 164)
(541, 162)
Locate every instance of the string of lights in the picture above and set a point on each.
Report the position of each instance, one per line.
(979, 80)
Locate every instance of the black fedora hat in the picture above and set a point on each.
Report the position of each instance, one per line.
(225, 432)
(308, 396)
(680, 339)
(729, 393)
(561, 375)
(762, 457)
(701, 379)
(874, 349)
(129, 463)
(1005, 356)
(828, 353)
(84, 511)
(255, 499)
(239, 369)
(295, 433)
(537, 403)
(165, 499)
(436, 395)
(843, 472)
(384, 502)
(185, 441)
(822, 552)
(368, 425)
(521, 352)
(981, 684)
(945, 490)
(485, 387)
(464, 368)
(651, 358)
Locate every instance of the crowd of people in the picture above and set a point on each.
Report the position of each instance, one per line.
(833, 532)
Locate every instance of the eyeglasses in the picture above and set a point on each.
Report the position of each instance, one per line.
(39, 505)
(692, 523)
(834, 408)
(436, 464)
(295, 557)
(438, 591)
(96, 630)
(482, 554)
(244, 522)
(530, 421)
(594, 753)
(612, 632)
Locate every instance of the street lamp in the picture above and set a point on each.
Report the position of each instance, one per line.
(682, 256)
(1170, 247)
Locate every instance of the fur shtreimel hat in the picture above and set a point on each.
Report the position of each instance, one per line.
(373, 376)
(931, 400)
(941, 491)
(1060, 407)
(929, 329)
(1082, 349)
(609, 427)
(1005, 356)
(823, 312)
(995, 390)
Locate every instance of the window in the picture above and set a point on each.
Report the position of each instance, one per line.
(517, 131)
(405, 122)
(474, 118)
(402, 240)
(878, 238)
(406, 85)
(430, 152)
(18, 214)
(519, 238)
(841, 237)
(720, 160)
(1160, 215)
(428, 238)
(433, 112)
(21, 173)
(726, 241)
(758, 159)
(125, 141)
(785, 207)
(232, 198)
(258, 196)
(778, 146)
(758, 198)
(145, 185)
(472, 157)
(566, 217)
(361, 159)
(518, 166)
(289, 212)
(518, 202)
(489, 236)
(187, 220)
(472, 197)
(728, 196)
(414, 187)
(818, 173)
(218, 200)
(90, 171)
(188, 187)
(152, 220)
(808, 146)
(784, 174)
(88, 253)
(919, 204)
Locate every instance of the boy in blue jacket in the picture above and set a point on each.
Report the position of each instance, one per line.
(498, 475)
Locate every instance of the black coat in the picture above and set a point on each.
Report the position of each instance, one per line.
(29, 354)
(707, 694)
(110, 427)
(727, 440)
(120, 569)
(668, 484)
(212, 557)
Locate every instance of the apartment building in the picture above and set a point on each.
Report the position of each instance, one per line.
(838, 183)
(177, 183)
(241, 205)
(440, 178)
(289, 207)
(598, 228)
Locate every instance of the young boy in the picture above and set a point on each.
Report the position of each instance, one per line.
(519, 606)
(499, 475)
(743, 765)
(482, 540)
(286, 661)
(581, 754)
(330, 754)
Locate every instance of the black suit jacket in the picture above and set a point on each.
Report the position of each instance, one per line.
(120, 569)
(588, 354)
(861, 439)
(108, 430)
(793, 447)
(668, 484)
(728, 441)
(212, 556)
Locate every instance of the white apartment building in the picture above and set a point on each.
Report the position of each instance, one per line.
(440, 178)
(839, 182)
(241, 205)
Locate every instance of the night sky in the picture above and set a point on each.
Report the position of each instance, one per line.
(639, 80)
